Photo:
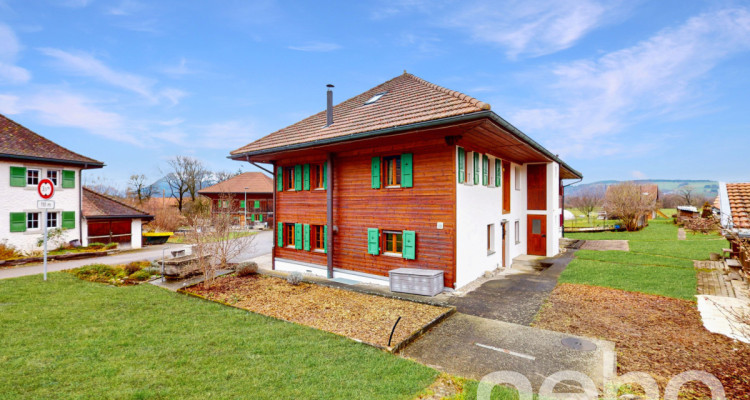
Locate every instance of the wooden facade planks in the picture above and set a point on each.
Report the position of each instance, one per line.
(536, 187)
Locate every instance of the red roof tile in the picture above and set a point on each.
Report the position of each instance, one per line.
(20, 142)
(97, 205)
(255, 182)
(739, 204)
(407, 100)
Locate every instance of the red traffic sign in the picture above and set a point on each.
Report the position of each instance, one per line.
(46, 189)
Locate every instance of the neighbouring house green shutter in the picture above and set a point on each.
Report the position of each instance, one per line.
(68, 179)
(252, 217)
(461, 164)
(410, 245)
(498, 172)
(476, 168)
(260, 217)
(373, 241)
(69, 219)
(18, 177)
(18, 222)
(279, 179)
(407, 176)
(280, 234)
(325, 238)
(242, 203)
(298, 177)
(256, 204)
(485, 170)
(307, 237)
(298, 236)
(307, 177)
(375, 166)
(325, 175)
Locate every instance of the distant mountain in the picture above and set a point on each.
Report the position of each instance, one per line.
(161, 187)
(666, 186)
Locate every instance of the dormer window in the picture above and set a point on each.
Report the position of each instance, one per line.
(375, 98)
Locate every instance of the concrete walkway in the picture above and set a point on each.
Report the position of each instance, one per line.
(515, 297)
(473, 347)
(681, 235)
(606, 245)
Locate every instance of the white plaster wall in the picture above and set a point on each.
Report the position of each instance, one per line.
(23, 199)
(135, 233)
(322, 271)
(84, 232)
(554, 230)
(517, 213)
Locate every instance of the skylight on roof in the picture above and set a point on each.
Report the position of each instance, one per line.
(375, 98)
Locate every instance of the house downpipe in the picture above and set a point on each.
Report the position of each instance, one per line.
(329, 105)
(329, 215)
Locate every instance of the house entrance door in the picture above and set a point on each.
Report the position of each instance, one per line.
(536, 229)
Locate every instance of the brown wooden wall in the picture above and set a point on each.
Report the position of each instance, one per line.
(358, 207)
(536, 187)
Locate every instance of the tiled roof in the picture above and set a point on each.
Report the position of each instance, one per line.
(739, 204)
(20, 142)
(407, 100)
(717, 203)
(97, 205)
(255, 182)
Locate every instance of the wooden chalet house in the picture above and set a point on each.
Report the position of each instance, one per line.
(248, 194)
(409, 174)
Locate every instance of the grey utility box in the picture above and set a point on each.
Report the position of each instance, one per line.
(427, 282)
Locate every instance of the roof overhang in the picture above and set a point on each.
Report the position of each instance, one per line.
(82, 164)
(474, 116)
(144, 217)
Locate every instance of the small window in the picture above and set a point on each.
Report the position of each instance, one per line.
(490, 238)
(392, 171)
(289, 238)
(52, 220)
(53, 176)
(289, 178)
(393, 242)
(32, 176)
(375, 98)
(32, 220)
(536, 226)
(225, 203)
(518, 232)
(317, 174)
(318, 237)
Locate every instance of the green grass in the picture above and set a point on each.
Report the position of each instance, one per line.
(180, 239)
(66, 338)
(631, 258)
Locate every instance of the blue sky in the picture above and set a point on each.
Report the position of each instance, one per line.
(620, 90)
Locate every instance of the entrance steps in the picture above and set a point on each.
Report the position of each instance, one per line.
(529, 263)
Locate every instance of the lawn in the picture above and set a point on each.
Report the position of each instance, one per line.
(68, 338)
(180, 239)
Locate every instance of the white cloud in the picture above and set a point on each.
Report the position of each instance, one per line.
(9, 104)
(125, 8)
(660, 76)
(173, 95)
(75, 3)
(179, 70)
(316, 47)
(9, 49)
(638, 174)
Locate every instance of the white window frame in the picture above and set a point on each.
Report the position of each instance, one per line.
(38, 176)
(490, 239)
(36, 222)
(517, 172)
(56, 216)
(517, 231)
(56, 179)
(469, 158)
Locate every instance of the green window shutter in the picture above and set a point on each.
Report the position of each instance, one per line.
(242, 203)
(410, 245)
(280, 235)
(325, 238)
(18, 177)
(373, 241)
(307, 177)
(498, 172)
(68, 179)
(307, 237)
(256, 204)
(252, 217)
(325, 175)
(461, 164)
(279, 179)
(69, 219)
(260, 217)
(298, 236)
(476, 168)
(485, 170)
(375, 167)
(18, 222)
(407, 176)
(298, 177)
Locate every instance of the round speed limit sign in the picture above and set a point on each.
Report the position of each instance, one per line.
(46, 189)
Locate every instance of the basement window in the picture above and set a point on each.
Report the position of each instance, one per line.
(375, 98)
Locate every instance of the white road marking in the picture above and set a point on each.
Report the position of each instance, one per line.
(513, 353)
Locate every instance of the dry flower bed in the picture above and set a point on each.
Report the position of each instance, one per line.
(658, 335)
(356, 315)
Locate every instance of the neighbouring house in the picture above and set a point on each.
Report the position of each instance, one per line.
(108, 220)
(688, 212)
(25, 159)
(652, 193)
(247, 195)
(409, 175)
(734, 203)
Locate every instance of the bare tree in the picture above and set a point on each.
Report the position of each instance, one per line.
(587, 200)
(627, 202)
(138, 189)
(688, 194)
(221, 176)
(187, 176)
(102, 185)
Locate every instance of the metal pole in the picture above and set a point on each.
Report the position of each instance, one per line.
(245, 208)
(162, 262)
(45, 244)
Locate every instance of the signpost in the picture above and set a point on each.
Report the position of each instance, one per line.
(46, 190)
